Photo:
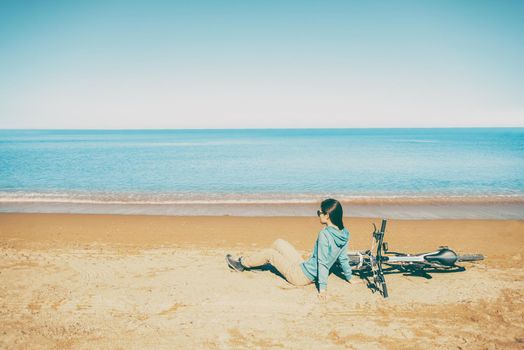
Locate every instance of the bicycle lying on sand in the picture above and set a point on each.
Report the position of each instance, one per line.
(374, 265)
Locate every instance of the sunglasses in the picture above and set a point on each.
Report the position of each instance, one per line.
(320, 212)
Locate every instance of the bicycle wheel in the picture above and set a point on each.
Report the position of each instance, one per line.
(470, 257)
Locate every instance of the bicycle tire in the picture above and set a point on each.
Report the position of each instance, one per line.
(470, 257)
(384, 290)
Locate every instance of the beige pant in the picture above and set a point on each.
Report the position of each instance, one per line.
(284, 257)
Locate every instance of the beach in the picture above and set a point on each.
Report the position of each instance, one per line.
(79, 281)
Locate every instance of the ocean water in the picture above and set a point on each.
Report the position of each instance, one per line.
(475, 172)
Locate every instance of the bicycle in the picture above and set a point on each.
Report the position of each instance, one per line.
(371, 265)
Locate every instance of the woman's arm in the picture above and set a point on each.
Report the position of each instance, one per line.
(343, 261)
(322, 261)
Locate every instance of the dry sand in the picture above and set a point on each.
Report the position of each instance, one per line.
(159, 282)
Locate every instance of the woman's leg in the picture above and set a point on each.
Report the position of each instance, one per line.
(287, 264)
(294, 274)
(285, 248)
(266, 256)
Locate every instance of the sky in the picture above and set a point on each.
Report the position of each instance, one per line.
(261, 64)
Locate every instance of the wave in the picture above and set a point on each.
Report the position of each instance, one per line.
(248, 198)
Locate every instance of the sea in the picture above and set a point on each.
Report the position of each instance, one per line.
(421, 173)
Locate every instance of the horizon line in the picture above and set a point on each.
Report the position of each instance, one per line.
(207, 129)
(284, 128)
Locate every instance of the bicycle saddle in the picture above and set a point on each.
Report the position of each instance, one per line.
(444, 256)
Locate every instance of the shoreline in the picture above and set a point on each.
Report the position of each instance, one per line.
(409, 210)
(94, 197)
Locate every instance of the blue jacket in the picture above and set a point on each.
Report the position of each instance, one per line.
(331, 246)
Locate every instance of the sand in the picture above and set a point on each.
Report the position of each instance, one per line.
(135, 282)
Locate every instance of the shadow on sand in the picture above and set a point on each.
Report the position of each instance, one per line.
(366, 276)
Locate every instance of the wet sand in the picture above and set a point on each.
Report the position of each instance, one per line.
(133, 282)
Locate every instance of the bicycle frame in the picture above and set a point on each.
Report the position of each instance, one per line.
(379, 280)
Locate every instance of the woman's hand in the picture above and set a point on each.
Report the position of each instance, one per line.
(322, 295)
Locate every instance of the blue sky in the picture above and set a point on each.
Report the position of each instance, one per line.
(256, 64)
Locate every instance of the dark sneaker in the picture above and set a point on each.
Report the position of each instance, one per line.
(234, 264)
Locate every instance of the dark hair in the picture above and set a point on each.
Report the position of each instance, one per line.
(333, 208)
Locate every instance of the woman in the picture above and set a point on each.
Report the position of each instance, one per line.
(330, 247)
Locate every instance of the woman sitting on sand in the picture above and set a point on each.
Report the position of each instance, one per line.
(330, 246)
